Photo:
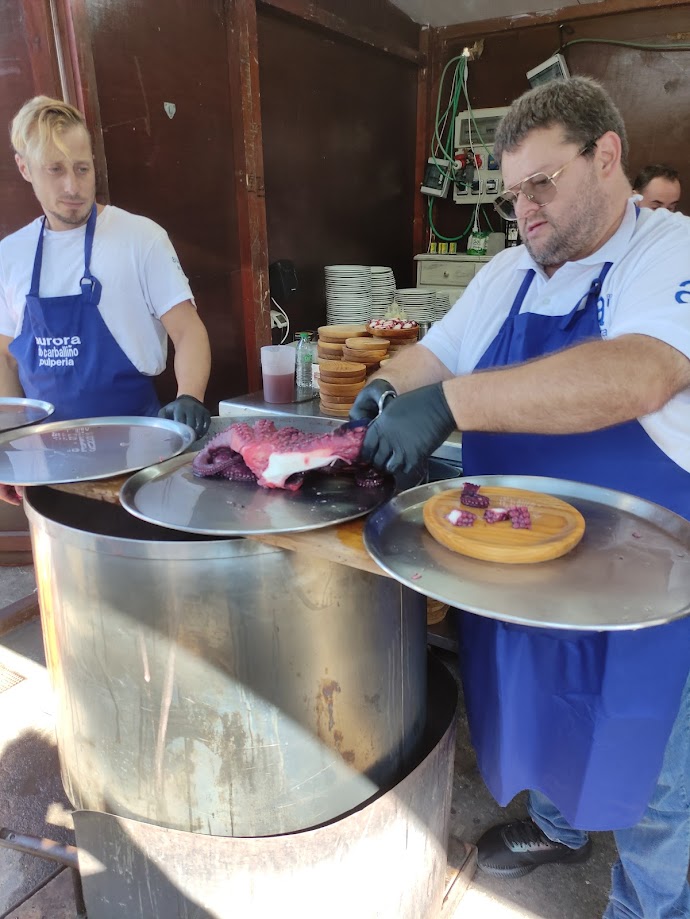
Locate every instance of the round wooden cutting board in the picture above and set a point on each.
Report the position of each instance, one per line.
(557, 527)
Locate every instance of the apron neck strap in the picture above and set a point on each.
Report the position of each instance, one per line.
(522, 293)
(597, 283)
(88, 247)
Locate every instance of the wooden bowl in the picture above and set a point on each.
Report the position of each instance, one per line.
(395, 333)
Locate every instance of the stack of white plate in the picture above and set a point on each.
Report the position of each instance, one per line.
(443, 304)
(348, 293)
(382, 290)
(419, 303)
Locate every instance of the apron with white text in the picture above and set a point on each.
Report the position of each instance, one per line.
(582, 717)
(66, 354)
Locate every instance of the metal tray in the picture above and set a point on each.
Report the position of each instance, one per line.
(88, 448)
(171, 495)
(631, 569)
(17, 413)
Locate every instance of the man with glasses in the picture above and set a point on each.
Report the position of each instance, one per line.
(569, 356)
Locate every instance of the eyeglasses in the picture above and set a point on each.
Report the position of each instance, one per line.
(540, 188)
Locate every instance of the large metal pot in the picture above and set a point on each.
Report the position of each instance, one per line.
(221, 686)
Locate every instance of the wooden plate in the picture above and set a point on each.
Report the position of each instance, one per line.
(345, 369)
(340, 389)
(340, 381)
(557, 527)
(338, 333)
(341, 411)
(363, 357)
(367, 344)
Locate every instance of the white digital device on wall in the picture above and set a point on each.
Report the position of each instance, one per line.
(555, 68)
(475, 131)
(436, 177)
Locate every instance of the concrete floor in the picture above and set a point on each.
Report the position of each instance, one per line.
(32, 801)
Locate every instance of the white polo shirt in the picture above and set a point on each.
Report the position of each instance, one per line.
(133, 259)
(647, 292)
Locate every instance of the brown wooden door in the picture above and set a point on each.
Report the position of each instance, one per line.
(28, 67)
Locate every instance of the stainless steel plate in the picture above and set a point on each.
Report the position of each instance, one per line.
(171, 495)
(16, 413)
(631, 569)
(88, 448)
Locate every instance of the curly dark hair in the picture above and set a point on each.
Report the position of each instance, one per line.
(580, 105)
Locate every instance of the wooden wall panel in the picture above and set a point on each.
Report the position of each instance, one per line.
(652, 89)
(177, 170)
(27, 68)
(339, 156)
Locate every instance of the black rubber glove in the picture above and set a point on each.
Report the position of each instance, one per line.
(366, 405)
(408, 430)
(188, 410)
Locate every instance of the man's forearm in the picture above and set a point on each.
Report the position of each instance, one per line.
(9, 377)
(585, 388)
(193, 362)
(416, 366)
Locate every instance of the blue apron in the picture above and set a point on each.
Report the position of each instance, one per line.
(582, 717)
(66, 354)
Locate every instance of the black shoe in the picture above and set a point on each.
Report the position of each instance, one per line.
(514, 849)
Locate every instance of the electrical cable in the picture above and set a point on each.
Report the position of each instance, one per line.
(448, 239)
(450, 112)
(442, 126)
(445, 145)
(680, 46)
(472, 118)
(287, 320)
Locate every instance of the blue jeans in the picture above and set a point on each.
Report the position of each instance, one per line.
(650, 878)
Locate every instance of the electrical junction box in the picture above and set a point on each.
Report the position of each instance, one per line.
(555, 68)
(437, 177)
(475, 133)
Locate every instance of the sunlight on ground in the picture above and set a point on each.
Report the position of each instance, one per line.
(478, 904)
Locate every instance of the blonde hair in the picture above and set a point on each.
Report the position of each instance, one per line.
(40, 122)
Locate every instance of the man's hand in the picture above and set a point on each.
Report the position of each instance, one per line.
(408, 430)
(12, 494)
(366, 405)
(188, 410)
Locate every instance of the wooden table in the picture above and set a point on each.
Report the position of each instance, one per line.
(341, 543)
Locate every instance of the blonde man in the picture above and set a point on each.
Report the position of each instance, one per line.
(89, 293)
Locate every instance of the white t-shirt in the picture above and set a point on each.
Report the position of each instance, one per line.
(133, 259)
(647, 292)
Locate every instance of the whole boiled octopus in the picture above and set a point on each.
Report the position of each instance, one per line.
(279, 457)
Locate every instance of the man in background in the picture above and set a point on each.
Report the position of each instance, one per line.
(659, 186)
(89, 293)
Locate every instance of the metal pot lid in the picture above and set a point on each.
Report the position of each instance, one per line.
(631, 570)
(17, 413)
(171, 495)
(88, 448)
